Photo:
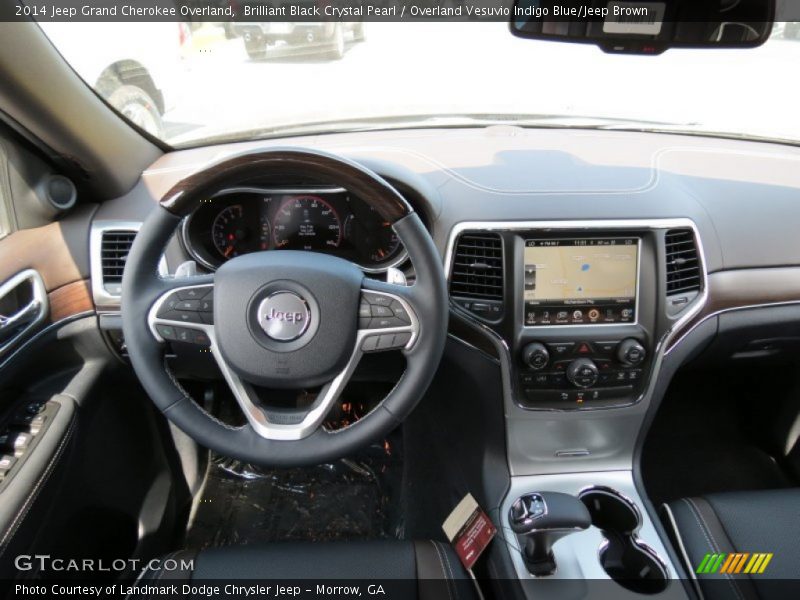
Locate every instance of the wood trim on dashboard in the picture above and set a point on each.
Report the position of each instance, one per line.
(43, 249)
(70, 299)
(186, 195)
(744, 288)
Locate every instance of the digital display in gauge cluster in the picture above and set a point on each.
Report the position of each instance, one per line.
(240, 221)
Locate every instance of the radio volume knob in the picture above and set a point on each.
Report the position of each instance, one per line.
(631, 353)
(582, 373)
(535, 355)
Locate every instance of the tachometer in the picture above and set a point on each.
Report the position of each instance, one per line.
(234, 235)
(306, 222)
(373, 237)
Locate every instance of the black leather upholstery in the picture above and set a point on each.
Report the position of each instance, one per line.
(433, 566)
(766, 521)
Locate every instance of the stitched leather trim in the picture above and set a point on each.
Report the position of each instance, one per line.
(698, 506)
(431, 574)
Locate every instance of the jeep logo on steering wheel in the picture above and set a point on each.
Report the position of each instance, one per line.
(284, 316)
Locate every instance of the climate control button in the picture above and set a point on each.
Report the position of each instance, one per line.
(582, 373)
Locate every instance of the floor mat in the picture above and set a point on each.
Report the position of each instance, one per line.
(705, 438)
(344, 500)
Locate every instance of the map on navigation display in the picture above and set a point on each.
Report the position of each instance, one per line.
(562, 270)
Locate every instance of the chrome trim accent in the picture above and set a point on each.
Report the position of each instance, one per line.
(723, 311)
(28, 316)
(617, 495)
(189, 247)
(243, 392)
(103, 300)
(684, 555)
(605, 227)
(528, 520)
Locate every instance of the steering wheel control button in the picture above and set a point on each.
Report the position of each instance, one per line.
(193, 293)
(166, 331)
(169, 304)
(376, 299)
(399, 312)
(379, 310)
(401, 339)
(385, 341)
(182, 316)
(284, 316)
(190, 305)
(364, 311)
(386, 323)
(370, 344)
(206, 305)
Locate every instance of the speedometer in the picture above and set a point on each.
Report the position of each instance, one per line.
(306, 222)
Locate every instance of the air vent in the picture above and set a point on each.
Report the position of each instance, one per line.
(476, 278)
(683, 263)
(114, 249)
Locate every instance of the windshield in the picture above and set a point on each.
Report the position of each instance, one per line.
(189, 85)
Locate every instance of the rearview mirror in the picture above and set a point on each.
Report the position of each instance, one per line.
(646, 26)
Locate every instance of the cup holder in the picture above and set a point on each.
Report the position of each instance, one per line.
(627, 560)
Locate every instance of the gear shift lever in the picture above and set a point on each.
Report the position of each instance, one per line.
(543, 518)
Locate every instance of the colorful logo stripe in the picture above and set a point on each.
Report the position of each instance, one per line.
(734, 563)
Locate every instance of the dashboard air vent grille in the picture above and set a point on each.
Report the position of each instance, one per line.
(114, 251)
(683, 264)
(478, 267)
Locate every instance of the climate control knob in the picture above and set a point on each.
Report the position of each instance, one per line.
(631, 353)
(535, 355)
(582, 373)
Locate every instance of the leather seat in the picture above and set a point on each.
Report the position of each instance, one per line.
(758, 522)
(426, 570)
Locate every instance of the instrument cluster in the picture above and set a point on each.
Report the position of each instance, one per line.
(331, 220)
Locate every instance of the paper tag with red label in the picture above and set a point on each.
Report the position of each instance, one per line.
(469, 530)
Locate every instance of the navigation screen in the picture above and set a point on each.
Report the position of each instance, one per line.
(580, 281)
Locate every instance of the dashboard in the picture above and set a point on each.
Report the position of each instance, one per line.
(687, 240)
(326, 219)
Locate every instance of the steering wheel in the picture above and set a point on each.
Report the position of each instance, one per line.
(284, 319)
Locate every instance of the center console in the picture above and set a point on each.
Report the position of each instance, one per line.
(579, 315)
